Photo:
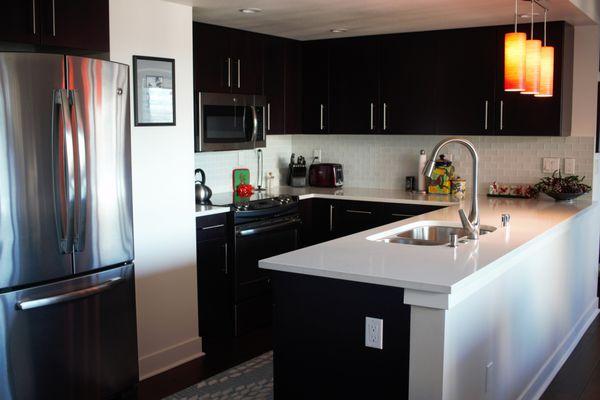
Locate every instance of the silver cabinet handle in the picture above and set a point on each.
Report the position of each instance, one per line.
(384, 116)
(228, 71)
(33, 15)
(330, 218)
(239, 73)
(268, 116)
(53, 18)
(402, 215)
(208, 228)
(70, 296)
(372, 107)
(486, 115)
(359, 212)
(501, 114)
(322, 119)
(226, 269)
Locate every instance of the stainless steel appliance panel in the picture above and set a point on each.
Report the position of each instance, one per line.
(73, 339)
(35, 154)
(103, 229)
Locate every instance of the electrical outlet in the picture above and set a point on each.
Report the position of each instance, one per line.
(549, 165)
(317, 155)
(570, 166)
(374, 332)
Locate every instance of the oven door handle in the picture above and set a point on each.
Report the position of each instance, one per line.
(268, 228)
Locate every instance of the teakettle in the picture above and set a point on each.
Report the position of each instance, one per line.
(203, 192)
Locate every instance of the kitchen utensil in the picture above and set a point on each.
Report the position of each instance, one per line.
(203, 192)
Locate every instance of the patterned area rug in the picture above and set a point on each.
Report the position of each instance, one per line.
(252, 380)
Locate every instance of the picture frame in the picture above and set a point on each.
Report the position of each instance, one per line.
(154, 91)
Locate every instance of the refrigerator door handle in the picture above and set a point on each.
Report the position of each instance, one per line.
(63, 171)
(80, 144)
(69, 296)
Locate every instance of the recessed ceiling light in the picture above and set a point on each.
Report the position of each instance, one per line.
(250, 10)
(339, 30)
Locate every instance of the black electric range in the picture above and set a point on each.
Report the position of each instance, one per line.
(264, 226)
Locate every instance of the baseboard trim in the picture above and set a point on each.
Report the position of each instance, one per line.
(544, 377)
(170, 357)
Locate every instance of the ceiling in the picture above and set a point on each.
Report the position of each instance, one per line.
(313, 19)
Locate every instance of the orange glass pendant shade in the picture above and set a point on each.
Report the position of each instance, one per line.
(546, 72)
(514, 61)
(532, 67)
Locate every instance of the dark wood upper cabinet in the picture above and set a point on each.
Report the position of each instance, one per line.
(408, 87)
(212, 59)
(354, 85)
(60, 24)
(247, 65)
(274, 80)
(315, 86)
(527, 115)
(227, 60)
(293, 87)
(464, 78)
(76, 24)
(20, 22)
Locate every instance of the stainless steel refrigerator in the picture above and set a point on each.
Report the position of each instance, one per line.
(67, 300)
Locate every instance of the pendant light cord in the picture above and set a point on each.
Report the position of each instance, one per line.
(516, 13)
(531, 19)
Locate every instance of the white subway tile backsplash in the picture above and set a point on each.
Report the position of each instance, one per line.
(377, 161)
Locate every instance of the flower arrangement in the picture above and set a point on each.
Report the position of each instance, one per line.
(562, 188)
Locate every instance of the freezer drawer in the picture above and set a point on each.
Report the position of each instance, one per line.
(73, 339)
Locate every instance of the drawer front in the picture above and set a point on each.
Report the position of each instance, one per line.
(355, 216)
(396, 212)
(211, 227)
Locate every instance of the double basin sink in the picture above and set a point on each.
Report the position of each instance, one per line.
(428, 233)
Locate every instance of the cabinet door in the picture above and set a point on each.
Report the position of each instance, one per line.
(465, 75)
(315, 86)
(76, 24)
(275, 84)
(356, 216)
(407, 85)
(213, 65)
(526, 114)
(293, 87)
(215, 307)
(20, 22)
(355, 85)
(247, 67)
(396, 212)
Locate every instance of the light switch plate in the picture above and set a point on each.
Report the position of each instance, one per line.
(570, 166)
(549, 165)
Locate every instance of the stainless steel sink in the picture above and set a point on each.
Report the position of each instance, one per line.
(432, 235)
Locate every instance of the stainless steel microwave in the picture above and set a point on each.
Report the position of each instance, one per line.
(230, 122)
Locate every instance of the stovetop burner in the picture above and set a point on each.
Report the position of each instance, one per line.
(258, 201)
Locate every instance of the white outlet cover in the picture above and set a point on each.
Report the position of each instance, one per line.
(374, 332)
(570, 166)
(549, 165)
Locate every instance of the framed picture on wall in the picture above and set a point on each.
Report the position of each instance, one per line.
(153, 91)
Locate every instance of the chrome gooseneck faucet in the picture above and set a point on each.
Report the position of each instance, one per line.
(470, 224)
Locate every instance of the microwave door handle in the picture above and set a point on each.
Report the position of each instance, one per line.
(254, 123)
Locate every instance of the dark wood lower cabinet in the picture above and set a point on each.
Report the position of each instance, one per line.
(326, 219)
(319, 339)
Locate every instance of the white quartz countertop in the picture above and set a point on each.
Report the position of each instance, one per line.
(438, 269)
(204, 210)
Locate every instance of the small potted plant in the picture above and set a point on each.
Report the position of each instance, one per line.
(562, 188)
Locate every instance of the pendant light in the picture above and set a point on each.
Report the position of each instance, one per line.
(546, 67)
(532, 62)
(514, 58)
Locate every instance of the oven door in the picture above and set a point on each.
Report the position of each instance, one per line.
(252, 293)
(227, 122)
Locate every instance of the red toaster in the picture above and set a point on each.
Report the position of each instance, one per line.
(326, 175)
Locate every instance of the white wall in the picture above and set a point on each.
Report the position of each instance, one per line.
(163, 191)
(585, 80)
